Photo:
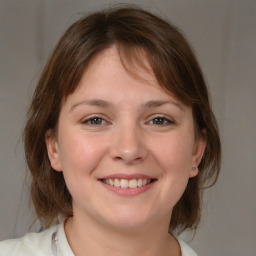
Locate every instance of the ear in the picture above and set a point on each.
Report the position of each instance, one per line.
(53, 150)
(198, 152)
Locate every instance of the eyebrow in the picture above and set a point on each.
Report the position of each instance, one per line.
(93, 102)
(159, 103)
(107, 104)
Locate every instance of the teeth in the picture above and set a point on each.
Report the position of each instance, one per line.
(111, 182)
(123, 183)
(133, 183)
(116, 183)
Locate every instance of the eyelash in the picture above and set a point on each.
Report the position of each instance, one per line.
(164, 121)
(89, 121)
(101, 121)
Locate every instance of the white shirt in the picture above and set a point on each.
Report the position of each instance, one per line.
(52, 242)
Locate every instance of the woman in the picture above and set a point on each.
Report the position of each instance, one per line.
(120, 140)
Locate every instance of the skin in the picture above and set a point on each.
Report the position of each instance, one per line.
(135, 129)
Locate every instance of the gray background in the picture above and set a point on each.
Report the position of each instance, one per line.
(223, 34)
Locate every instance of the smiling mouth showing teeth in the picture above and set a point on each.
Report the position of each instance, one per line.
(124, 183)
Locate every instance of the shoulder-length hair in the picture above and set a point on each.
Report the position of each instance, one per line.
(133, 32)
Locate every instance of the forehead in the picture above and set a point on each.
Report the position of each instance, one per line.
(110, 72)
(133, 61)
(107, 83)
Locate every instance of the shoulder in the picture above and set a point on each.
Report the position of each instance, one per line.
(32, 244)
(186, 250)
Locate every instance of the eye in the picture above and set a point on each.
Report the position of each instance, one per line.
(95, 121)
(161, 121)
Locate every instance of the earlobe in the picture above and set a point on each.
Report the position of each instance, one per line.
(53, 150)
(198, 153)
(193, 172)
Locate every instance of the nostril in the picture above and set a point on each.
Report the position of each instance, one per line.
(128, 160)
(128, 152)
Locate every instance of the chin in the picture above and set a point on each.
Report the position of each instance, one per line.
(130, 220)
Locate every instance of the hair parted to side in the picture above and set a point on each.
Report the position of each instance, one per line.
(134, 32)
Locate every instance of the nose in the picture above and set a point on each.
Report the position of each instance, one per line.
(128, 145)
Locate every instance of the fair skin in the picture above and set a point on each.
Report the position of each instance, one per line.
(117, 128)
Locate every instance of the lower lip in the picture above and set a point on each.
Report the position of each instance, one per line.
(128, 191)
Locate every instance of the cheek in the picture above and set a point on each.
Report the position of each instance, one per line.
(174, 153)
(80, 156)
(80, 153)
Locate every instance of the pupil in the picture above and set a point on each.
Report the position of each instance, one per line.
(159, 121)
(96, 121)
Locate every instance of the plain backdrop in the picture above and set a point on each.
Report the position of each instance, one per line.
(223, 35)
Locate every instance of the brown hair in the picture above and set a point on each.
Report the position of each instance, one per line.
(131, 30)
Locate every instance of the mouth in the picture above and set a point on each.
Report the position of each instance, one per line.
(128, 183)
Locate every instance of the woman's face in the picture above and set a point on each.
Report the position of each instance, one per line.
(126, 147)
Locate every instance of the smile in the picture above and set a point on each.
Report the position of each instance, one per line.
(125, 183)
(128, 184)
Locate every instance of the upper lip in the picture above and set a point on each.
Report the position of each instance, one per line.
(127, 176)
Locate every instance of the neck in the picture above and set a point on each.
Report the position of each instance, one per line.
(88, 238)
